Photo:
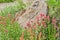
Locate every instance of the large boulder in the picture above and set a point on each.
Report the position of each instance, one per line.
(31, 12)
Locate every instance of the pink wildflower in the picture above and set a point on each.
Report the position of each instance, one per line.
(48, 17)
(28, 24)
(32, 20)
(56, 26)
(35, 27)
(38, 23)
(54, 21)
(45, 16)
(22, 36)
(25, 27)
(42, 14)
(37, 18)
(43, 23)
(6, 31)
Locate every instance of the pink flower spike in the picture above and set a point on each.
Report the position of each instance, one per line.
(48, 17)
(56, 27)
(42, 14)
(45, 16)
(32, 20)
(43, 23)
(6, 31)
(37, 18)
(28, 24)
(54, 21)
(25, 27)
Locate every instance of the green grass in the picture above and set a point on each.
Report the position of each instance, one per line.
(10, 31)
(12, 9)
(54, 7)
(4, 1)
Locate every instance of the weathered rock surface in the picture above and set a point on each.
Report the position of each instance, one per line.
(31, 12)
(3, 5)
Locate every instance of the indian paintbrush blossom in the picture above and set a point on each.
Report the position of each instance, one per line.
(54, 21)
(22, 36)
(42, 14)
(37, 18)
(48, 17)
(28, 24)
(43, 22)
(6, 31)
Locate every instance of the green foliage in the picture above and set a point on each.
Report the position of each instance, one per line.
(10, 31)
(12, 9)
(54, 7)
(3, 1)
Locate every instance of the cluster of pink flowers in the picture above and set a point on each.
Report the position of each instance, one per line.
(40, 20)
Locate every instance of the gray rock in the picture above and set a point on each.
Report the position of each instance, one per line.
(32, 11)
